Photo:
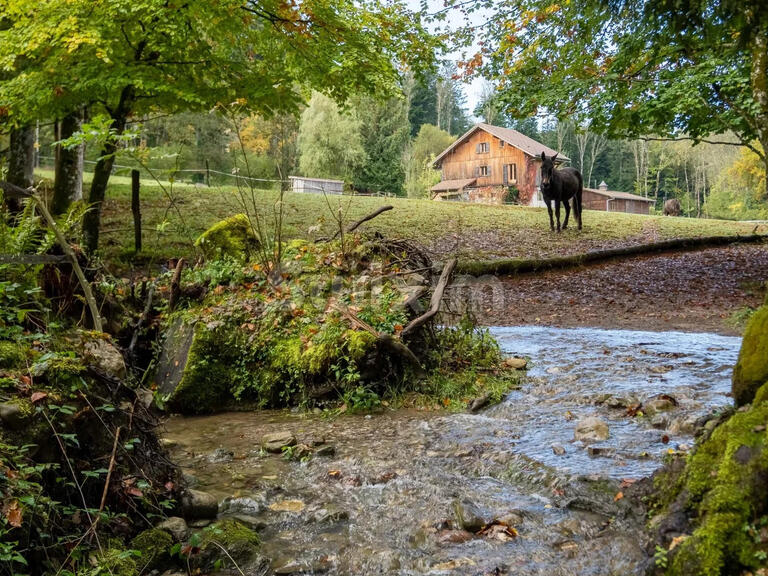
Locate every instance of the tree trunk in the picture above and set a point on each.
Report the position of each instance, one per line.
(759, 81)
(102, 172)
(20, 162)
(68, 180)
(21, 170)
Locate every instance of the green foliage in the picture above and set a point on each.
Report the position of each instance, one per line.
(232, 238)
(361, 399)
(419, 174)
(329, 141)
(633, 68)
(384, 131)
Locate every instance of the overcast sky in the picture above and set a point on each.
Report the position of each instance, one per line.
(455, 20)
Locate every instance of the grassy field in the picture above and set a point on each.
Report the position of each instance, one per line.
(470, 230)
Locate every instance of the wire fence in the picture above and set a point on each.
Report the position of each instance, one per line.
(297, 184)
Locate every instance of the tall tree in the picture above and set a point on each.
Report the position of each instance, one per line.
(384, 130)
(126, 57)
(329, 141)
(689, 69)
(419, 174)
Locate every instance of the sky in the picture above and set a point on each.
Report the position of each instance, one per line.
(456, 20)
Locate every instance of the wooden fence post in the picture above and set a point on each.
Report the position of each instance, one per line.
(207, 174)
(135, 208)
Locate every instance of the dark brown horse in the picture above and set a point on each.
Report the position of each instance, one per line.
(561, 186)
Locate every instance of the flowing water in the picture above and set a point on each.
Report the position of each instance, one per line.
(385, 502)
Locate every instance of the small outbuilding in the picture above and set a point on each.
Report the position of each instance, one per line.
(612, 201)
(305, 185)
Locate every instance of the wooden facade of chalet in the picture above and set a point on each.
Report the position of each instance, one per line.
(612, 201)
(486, 161)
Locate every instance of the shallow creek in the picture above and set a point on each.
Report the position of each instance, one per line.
(384, 502)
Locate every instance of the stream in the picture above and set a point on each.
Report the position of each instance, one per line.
(385, 502)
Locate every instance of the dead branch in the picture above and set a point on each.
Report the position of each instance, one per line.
(109, 474)
(90, 300)
(385, 340)
(437, 297)
(142, 319)
(175, 285)
(413, 299)
(354, 226)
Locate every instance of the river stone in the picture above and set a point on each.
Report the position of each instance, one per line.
(516, 363)
(468, 516)
(656, 405)
(276, 441)
(12, 415)
(591, 429)
(196, 504)
(479, 403)
(558, 449)
(326, 451)
(751, 370)
(104, 356)
(176, 527)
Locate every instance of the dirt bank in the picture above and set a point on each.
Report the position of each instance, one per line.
(700, 291)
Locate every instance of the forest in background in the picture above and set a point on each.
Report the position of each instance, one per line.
(388, 146)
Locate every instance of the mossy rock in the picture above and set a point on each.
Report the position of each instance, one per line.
(240, 542)
(116, 561)
(231, 237)
(154, 545)
(726, 480)
(12, 355)
(751, 370)
(193, 376)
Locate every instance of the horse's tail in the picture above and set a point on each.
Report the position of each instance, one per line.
(577, 197)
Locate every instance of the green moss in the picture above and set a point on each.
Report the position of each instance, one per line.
(232, 237)
(725, 479)
(208, 375)
(751, 370)
(236, 538)
(762, 395)
(116, 561)
(12, 355)
(154, 545)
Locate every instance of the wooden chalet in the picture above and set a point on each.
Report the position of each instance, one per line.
(612, 201)
(486, 161)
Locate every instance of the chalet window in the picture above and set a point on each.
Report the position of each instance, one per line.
(483, 171)
(510, 174)
(483, 148)
(501, 143)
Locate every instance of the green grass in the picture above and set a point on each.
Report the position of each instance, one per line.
(472, 231)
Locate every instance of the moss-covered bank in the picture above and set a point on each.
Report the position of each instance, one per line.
(328, 332)
(711, 512)
(751, 370)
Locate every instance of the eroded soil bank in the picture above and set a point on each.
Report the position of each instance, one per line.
(405, 492)
(699, 291)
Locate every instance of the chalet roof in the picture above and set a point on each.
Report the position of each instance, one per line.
(446, 185)
(614, 195)
(508, 135)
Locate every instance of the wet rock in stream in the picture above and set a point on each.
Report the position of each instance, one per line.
(276, 441)
(196, 504)
(591, 429)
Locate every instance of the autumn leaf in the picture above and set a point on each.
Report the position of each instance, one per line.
(37, 396)
(619, 496)
(13, 514)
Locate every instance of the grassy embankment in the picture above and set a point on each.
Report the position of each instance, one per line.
(474, 232)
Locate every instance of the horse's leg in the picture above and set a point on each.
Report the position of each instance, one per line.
(577, 200)
(567, 204)
(549, 209)
(557, 212)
